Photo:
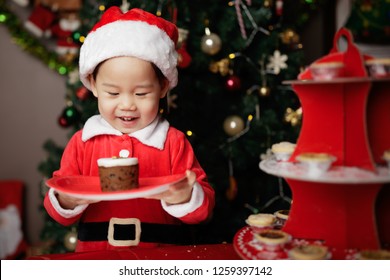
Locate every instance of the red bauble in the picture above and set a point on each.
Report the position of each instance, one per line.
(233, 83)
(63, 122)
(70, 115)
(82, 93)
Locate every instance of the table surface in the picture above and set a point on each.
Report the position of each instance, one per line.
(193, 252)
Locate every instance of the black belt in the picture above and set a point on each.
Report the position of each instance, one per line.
(155, 233)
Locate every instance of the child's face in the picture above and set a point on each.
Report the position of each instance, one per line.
(128, 93)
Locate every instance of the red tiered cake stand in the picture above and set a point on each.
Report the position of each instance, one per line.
(347, 117)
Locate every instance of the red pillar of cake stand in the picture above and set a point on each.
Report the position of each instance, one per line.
(378, 123)
(378, 118)
(334, 122)
(342, 215)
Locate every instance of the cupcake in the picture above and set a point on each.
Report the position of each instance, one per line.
(273, 239)
(316, 163)
(309, 252)
(118, 174)
(281, 217)
(374, 255)
(326, 70)
(261, 221)
(283, 150)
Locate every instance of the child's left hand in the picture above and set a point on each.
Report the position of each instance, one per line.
(180, 192)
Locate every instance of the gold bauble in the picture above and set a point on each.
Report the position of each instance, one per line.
(211, 44)
(70, 240)
(289, 37)
(233, 125)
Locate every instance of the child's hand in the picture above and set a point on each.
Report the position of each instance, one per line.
(69, 202)
(180, 192)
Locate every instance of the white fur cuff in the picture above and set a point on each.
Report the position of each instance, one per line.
(180, 210)
(66, 213)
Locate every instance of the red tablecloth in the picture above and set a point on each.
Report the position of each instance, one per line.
(193, 252)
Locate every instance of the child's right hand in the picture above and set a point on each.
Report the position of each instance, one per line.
(70, 202)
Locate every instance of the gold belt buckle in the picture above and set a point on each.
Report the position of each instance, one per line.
(127, 221)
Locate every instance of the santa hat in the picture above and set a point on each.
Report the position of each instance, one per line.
(135, 33)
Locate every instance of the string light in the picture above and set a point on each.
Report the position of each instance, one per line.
(62, 70)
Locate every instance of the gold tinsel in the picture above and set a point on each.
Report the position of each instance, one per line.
(221, 67)
(293, 117)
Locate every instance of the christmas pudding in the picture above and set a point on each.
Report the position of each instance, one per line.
(316, 163)
(309, 252)
(261, 221)
(283, 150)
(118, 174)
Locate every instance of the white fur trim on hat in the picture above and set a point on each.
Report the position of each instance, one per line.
(128, 38)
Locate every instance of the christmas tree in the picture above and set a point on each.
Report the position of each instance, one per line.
(369, 21)
(230, 101)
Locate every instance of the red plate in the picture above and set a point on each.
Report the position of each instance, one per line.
(88, 187)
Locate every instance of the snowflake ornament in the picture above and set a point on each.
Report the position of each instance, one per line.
(277, 62)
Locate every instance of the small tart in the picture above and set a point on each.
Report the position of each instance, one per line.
(273, 237)
(261, 220)
(309, 252)
(383, 61)
(283, 147)
(327, 70)
(374, 255)
(330, 64)
(386, 155)
(315, 157)
(282, 214)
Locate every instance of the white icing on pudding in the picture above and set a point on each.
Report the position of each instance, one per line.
(111, 162)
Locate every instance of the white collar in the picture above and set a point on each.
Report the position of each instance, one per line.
(153, 135)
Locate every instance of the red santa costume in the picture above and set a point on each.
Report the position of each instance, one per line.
(161, 149)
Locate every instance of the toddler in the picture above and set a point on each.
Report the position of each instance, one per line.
(128, 61)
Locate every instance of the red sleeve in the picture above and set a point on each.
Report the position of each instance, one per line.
(70, 165)
(183, 158)
(72, 158)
